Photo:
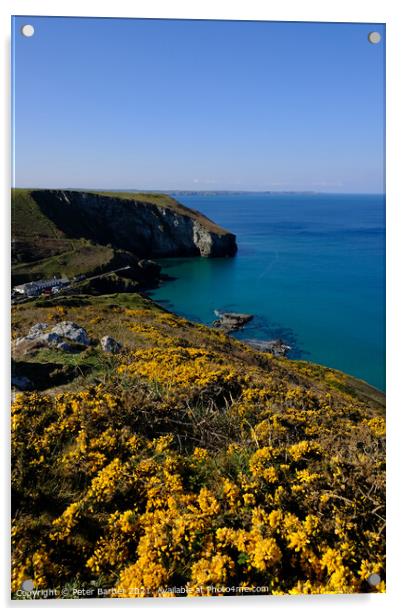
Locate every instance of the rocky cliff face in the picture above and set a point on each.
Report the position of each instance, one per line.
(163, 228)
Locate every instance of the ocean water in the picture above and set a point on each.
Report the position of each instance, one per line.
(311, 268)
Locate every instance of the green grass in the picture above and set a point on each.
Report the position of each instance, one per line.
(111, 300)
(162, 200)
(154, 198)
(91, 357)
(84, 259)
(27, 219)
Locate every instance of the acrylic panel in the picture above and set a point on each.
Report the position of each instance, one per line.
(198, 308)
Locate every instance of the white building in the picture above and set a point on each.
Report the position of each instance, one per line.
(36, 287)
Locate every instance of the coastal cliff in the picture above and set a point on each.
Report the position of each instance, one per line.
(69, 232)
(149, 225)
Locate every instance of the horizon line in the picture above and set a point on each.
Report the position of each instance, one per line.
(200, 190)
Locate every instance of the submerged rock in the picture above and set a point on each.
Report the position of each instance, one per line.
(276, 347)
(231, 321)
(110, 345)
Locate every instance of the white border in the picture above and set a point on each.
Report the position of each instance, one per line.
(380, 11)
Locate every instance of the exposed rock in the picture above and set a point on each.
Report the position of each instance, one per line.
(202, 239)
(150, 266)
(35, 332)
(38, 338)
(72, 331)
(21, 382)
(26, 345)
(231, 321)
(37, 329)
(110, 345)
(50, 338)
(276, 347)
(19, 341)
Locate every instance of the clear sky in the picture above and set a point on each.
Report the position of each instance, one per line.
(200, 105)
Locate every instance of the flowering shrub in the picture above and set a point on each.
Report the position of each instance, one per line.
(192, 466)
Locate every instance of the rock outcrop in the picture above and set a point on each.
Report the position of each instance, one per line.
(65, 336)
(231, 321)
(71, 331)
(276, 347)
(110, 345)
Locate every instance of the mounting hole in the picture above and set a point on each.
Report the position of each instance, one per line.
(27, 585)
(374, 579)
(28, 30)
(374, 37)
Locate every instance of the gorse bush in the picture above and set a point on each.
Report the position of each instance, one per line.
(191, 466)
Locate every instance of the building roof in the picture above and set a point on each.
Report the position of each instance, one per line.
(42, 284)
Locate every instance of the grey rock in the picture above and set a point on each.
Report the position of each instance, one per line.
(276, 347)
(37, 330)
(110, 345)
(50, 338)
(30, 343)
(25, 346)
(231, 321)
(18, 341)
(72, 331)
(202, 238)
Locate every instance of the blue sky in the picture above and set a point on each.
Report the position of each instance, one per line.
(200, 105)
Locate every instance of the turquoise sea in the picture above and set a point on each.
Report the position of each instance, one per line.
(310, 267)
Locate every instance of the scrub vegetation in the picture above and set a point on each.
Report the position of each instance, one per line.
(190, 461)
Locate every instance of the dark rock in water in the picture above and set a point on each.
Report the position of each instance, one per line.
(151, 268)
(276, 347)
(231, 321)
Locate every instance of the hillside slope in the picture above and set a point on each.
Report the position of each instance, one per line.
(190, 464)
